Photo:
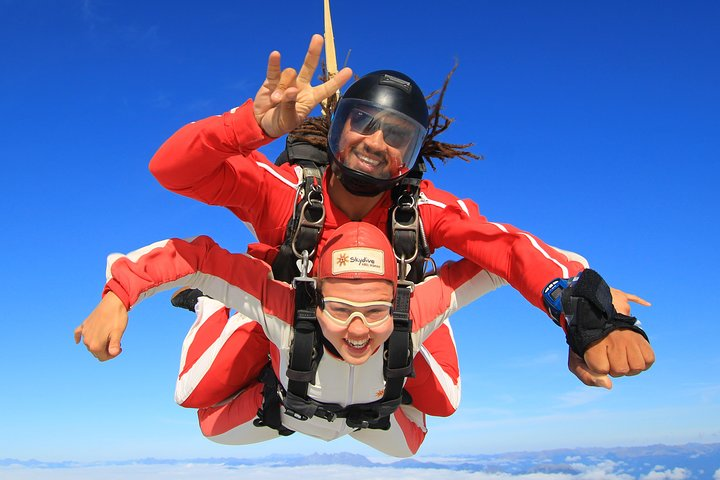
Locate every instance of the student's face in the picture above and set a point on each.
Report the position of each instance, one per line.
(375, 147)
(356, 342)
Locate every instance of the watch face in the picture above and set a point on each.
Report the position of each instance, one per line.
(555, 294)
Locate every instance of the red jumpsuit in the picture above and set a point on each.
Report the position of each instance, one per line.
(245, 283)
(216, 161)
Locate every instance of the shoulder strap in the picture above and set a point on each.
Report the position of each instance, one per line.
(306, 349)
(405, 226)
(305, 226)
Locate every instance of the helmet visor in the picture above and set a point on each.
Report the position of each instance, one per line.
(374, 140)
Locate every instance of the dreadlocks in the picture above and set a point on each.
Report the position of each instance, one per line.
(433, 148)
(314, 130)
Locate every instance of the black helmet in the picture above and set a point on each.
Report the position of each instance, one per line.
(385, 101)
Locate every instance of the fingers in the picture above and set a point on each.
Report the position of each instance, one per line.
(618, 356)
(638, 300)
(327, 89)
(312, 58)
(640, 355)
(114, 348)
(622, 353)
(285, 81)
(596, 357)
(578, 367)
(78, 334)
(273, 70)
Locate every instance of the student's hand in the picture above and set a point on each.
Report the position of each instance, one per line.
(103, 329)
(286, 98)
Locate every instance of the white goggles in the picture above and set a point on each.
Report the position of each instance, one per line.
(342, 311)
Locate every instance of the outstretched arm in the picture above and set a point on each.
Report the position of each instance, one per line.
(237, 280)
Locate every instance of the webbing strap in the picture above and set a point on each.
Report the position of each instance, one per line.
(305, 351)
(398, 350)
(305, 227)
(405, 226)
(269, 414)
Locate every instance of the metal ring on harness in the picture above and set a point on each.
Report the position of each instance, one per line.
(403, 203)
(312, 215)
(400, 227)
(431, 261)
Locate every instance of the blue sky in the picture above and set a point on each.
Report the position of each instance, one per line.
(599, 126)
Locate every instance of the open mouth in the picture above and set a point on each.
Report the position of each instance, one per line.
(367, 163)
(357, 345)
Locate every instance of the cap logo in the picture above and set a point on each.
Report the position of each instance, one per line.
(358, 260)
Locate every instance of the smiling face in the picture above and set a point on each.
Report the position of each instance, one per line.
(374, 141)
(356, 342)
(375, 144)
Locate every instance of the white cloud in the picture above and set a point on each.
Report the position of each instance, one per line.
(220, 472)
(717, 474)
(602, 471)
(658, 473)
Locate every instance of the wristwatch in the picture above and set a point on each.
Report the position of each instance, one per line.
(552, 296)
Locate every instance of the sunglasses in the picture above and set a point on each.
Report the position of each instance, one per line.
(395, 135)
(342, 312)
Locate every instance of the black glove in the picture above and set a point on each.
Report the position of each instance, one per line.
(590, 314)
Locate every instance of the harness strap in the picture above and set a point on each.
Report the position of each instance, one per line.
(301, 237)
(306, 350)
(269, 414)
(398, 348)
(405, 226)
(374, 415)
(305, 227)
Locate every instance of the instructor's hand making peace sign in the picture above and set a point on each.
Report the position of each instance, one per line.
(286, 98)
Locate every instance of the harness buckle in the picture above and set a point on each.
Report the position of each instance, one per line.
(296, 415)
(404, 267)
(326, 414)
(304, 265)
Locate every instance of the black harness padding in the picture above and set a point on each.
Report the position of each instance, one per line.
(297, 149)
(590, 314)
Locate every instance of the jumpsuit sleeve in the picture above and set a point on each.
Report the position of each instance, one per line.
(215, 161)
(523, 260)
(237, 280)
(456, 285)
